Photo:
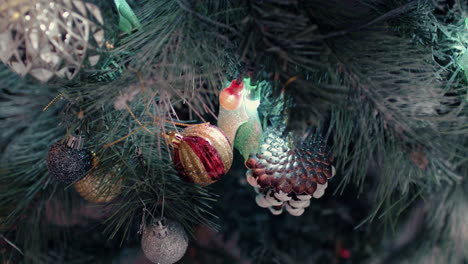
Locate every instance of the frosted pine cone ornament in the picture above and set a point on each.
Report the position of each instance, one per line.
(286, 177)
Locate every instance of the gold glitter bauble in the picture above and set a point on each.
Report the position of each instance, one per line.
(164, 243)
(99, 188)
(49, 37)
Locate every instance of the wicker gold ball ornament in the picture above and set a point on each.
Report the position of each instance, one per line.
(202, 153)
(165, 242)
(49, 37)
(68, 161)
(287, 177)
(97, 187)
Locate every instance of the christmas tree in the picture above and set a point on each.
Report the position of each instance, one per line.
(272, 131)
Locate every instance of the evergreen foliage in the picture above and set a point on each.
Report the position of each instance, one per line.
(385, 81)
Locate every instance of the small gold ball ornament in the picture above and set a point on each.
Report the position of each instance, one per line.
(99, 188)
(165, 242)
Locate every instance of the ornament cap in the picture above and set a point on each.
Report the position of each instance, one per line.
(173, 138)
(75, 142)
(161, 228)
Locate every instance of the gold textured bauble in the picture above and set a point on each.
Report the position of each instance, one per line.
(98, 188)
(202, 153)
(164, 243)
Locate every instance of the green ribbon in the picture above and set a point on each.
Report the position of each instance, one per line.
(127, 18)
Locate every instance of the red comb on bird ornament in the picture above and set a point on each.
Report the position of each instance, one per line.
(202, 153)
(230, 97)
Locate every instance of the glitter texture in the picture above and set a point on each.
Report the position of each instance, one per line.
(249, 135)
(97, 188)
(46, 38)
(67, 164)
(229, 121)
(165, 244)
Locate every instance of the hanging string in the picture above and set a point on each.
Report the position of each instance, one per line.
(142, 126)
(171, 122)
(163, 203)
(138, 121)
(124, 137)
(52, 101)
(143, 219)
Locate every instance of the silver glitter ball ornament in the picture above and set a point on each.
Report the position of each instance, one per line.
(44, 38)
(165, 242)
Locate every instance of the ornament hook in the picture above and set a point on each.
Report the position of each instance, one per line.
(173, 138)
(162, 228)
(75, 142)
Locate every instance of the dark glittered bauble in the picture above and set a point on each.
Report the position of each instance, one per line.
(287, 176)
(67, 164)
(164, 243)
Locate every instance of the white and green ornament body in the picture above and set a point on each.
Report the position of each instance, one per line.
(238, 116)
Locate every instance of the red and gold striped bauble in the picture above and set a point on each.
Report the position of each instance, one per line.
(202, 153)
